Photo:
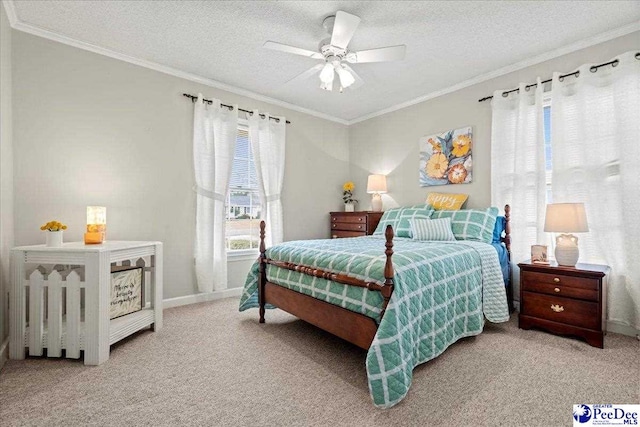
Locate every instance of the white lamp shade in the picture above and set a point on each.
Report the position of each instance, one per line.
(377, 184)
(96, 215)
(566, 218)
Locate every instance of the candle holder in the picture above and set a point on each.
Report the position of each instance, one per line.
(96, 225)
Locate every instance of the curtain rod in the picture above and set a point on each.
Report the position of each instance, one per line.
(230, 107)
(593, 69)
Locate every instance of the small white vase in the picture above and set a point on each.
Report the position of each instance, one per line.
(54, 239)
(349, 207)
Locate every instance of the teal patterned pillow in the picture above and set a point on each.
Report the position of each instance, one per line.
(399, 219)
(471, 224)
(432, 229)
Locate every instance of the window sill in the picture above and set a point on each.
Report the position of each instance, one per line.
(243, 255)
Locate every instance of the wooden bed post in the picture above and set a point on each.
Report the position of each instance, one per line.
(262, 278)
(507, 243)
(507, 229)
(387, 290)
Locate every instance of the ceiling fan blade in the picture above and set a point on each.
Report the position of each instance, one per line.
(382, 54)
(359, 82)
(292, 49)
(344, 27)
(306, 74)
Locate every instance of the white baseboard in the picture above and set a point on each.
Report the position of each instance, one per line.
(4, 352)
(203, 297)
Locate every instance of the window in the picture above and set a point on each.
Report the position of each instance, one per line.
(243, 209)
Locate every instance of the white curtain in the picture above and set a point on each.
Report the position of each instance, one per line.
(214, 138)
(267, 138)
(595, 126)
(517, 167)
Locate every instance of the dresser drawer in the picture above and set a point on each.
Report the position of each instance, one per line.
(571, 312)
(559, 290)
(348, 226)
(560, 279)
(361, 219)
(338, 234)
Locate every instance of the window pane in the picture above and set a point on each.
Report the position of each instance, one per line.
(243, 203)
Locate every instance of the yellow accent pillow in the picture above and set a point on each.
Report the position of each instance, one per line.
(448, 201)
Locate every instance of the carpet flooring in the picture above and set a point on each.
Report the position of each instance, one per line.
(211, 365)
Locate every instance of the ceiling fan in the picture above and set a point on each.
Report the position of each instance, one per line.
(335, 53)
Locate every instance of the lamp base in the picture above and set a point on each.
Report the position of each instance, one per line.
(567, 252)
(376, 202)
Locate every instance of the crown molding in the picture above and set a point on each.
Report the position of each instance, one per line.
(16, 24)
(564, 50)
(11, 12)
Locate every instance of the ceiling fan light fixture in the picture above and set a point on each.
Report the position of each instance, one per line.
(346, 79)
(326, 75)
(327, 85)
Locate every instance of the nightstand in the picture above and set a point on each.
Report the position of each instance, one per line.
(564, 300)
(353, 224)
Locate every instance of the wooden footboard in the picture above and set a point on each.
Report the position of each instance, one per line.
(346, 324)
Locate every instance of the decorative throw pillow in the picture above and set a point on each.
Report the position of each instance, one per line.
(471, 224)
(399, 219)
(432, 229)
(448, 201)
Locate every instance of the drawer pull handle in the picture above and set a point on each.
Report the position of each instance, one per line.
(334, 236)
(555, 279)
(334, 225)
(359, 219)
(557, 308)
(359, 227)
(557, 289)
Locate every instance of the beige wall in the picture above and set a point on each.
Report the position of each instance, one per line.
(89, 129)
(6, 172)
(389, 143)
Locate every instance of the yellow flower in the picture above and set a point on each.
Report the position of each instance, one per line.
(461, 145)
(437, 165)
(64, 227)
(43, 228)
(457, 174)
(348, 186)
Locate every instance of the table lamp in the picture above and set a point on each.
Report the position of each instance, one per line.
(96, 225)
(376, 185)
(566, 218)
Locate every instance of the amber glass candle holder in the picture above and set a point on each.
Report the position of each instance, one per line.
(96, 225)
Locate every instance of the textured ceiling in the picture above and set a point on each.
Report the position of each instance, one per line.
(448, 42)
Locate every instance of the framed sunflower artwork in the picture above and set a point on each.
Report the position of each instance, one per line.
(445, 158)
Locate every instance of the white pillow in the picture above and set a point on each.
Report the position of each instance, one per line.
(432, 229)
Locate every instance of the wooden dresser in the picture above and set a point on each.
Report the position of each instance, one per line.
(354, 224)
(564, 300)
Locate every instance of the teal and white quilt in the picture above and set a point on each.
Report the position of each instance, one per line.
(443, 291)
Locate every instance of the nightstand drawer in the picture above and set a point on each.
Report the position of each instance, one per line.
(559, 290)
(362, 219)
(346, 226)
(563, 310)
(338, 234)
(559, 279)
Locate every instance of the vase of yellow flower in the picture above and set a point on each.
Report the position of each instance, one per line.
(54, 231)
(347, 196)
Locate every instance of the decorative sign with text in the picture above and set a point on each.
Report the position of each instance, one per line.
(126, 292)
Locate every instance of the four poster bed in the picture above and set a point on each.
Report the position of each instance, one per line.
(404, 309)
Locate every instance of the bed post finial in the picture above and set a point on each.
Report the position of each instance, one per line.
(262, 276)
